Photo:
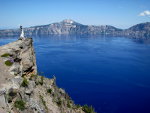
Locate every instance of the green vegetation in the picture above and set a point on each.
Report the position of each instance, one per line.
(20, 104)
(43, 102)
(59, 102)
(68, 104)
(78, 106)
(32, 76)
(23, 75)
(41, 81)
(8, 63)
(24, 83)
(88, 109)
(49, 91)
(5, 55)
(37, 82)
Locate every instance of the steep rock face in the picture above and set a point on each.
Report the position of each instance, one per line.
(22, 90)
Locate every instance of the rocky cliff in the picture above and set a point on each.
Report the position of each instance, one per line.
(71, 27)
(22, 90)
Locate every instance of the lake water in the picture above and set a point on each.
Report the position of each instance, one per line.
(110, 73)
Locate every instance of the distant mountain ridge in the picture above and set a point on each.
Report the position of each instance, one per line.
(71, 27)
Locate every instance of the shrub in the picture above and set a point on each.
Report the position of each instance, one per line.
(8, 63)
(78, 106)
(20, 104)
(36, 82)
(68, 104)
(59, 102)
(43, 102)
(5, 55)
(41, 81)
(32, 76)
(88, 109)
(24, 83)
(49, 91)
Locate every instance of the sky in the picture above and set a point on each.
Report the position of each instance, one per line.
(119, 13)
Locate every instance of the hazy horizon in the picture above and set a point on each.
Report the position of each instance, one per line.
(3, 28)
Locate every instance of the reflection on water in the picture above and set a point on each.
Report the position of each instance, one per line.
(110, 73)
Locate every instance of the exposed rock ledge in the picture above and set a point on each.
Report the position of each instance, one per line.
(22, 90)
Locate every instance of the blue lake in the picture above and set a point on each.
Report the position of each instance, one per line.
(110, 73)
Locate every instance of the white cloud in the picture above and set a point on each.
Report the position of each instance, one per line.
(145, 13)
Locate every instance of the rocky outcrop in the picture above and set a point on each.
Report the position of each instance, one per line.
(21, 54)
(72, 27)
(22, 90)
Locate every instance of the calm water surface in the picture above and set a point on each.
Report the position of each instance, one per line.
(112, 74)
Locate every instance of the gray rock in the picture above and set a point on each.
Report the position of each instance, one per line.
(2, 91)
(30, 88)
(17, 80)
(15, 69)
(3, 103)
(34, 105)
(31, 85)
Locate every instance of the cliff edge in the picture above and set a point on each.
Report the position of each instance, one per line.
(22, 90)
